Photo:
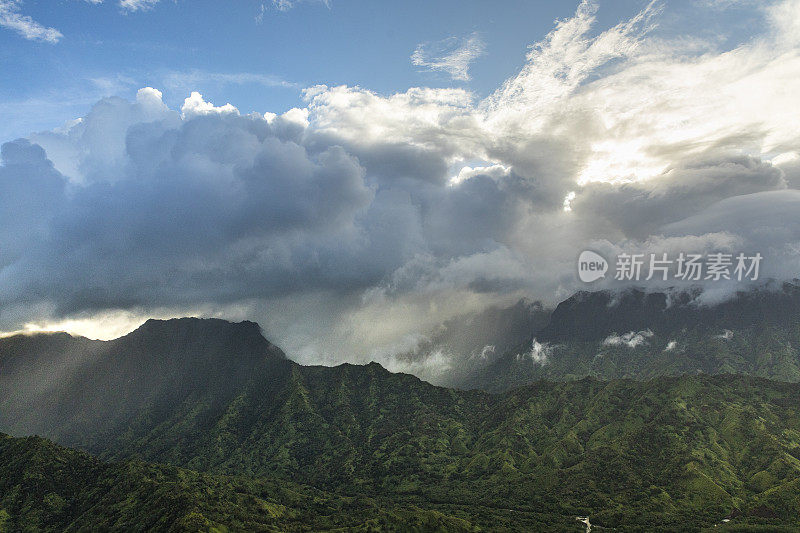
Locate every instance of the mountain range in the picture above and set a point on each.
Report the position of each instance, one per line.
(641, 335)
(201, 424)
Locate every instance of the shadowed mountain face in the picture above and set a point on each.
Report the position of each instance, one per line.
(471, 342)
(588, 316)
(77, 390)
(645, 335)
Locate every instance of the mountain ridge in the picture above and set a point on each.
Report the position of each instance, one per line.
(684, 451)
(638, 334)
(156, 368)
(674, 450)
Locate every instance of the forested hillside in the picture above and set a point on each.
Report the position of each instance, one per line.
(642, 335)
(683, 452)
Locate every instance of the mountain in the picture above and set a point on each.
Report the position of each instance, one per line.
(79, 391)
(337, 446)
(197, 424)
(45, 487)
(640, 335)
(474, 341)
(590, 316)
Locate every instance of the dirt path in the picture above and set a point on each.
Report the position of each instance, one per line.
(585, 520)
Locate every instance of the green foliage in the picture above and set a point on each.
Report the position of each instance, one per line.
(283, 447)
(384, 449)
(44, 487)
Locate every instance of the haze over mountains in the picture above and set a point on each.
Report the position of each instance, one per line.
(679, 449)
(609, 334)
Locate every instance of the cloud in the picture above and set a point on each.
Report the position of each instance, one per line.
(351, 225)
(189, 80)
(640, 208)
(262, 10)
(632, 339)
(286, 5)
(538, 354)
(452, 55)
(137, 5)
(12, 19)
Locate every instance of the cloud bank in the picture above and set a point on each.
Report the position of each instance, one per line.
(352, 225)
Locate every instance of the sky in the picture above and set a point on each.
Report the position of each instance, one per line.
(350, 174)
(256, 55)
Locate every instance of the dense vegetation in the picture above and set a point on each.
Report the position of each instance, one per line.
(682, 453)
(645, 335)
(44, 487)
(204, 425)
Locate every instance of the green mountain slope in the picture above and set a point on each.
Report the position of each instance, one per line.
(673, 451)
(44, 487)
(645, 335)
(682, 453)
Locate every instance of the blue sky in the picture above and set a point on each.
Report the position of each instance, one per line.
(259, 56)
(106, 50)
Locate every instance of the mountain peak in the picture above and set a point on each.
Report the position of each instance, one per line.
(204, 330)
(587, 316)
(191, 323)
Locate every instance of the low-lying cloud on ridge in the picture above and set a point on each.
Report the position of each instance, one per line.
(350, 226)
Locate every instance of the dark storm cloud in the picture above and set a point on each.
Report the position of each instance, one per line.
(216, 206)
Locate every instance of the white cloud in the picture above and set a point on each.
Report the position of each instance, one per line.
(194, 106)
(286, 5)
(538, 354)
(632, 339)
(725, 335)
(452, 55)
(785, 18)
(190, 80)
(262, 10)
(131, 5)
(137, 5)
(12, 19)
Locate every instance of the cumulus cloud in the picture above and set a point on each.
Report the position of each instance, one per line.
(354, 223)
(453, 55)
